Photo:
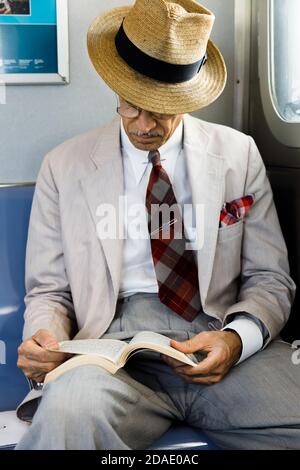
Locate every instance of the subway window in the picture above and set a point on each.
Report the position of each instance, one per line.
(284, 60)
(279, 67)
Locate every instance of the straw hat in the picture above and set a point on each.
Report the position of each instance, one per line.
(153, 55)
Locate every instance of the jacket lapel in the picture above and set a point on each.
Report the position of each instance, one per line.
(103, 189)
(205, 172)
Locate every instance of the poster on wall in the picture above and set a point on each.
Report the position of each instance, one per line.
(34, 41)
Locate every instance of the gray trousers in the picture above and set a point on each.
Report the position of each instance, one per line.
(256, 406)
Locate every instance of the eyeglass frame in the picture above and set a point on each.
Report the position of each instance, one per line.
(155, 116)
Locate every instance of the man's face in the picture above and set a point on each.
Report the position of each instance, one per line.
(147, 131)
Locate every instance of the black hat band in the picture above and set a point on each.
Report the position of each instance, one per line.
(155, 68)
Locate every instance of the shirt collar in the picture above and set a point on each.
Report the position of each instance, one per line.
(169, 151)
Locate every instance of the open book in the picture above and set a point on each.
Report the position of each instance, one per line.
(112, 354)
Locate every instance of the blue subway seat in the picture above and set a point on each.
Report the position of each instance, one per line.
(15, 206)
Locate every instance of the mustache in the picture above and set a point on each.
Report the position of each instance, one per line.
(137, 133)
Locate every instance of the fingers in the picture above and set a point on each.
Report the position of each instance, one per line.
(188, 374)
(221, 354)
(36, 370)
(32, 367)
(45, 339)
(44, 367)
(208, 380)
(210, 365)
(171, 362)
(33, 352)
(35, 360)
(189, 346)
(200, 342)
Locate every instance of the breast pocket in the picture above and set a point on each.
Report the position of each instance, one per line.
(227, 262)
(230, 232)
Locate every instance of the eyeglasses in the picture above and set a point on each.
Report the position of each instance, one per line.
(129, 111)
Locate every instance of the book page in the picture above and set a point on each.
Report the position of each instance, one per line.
(81, 360)
(148, 338)
(110, 349)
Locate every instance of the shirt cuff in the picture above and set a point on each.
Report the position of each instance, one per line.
(250, 334)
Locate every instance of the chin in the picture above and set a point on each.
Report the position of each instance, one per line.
(146, 147)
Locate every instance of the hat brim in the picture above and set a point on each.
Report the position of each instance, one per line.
(144, 92)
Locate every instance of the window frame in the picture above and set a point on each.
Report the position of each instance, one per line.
(288, 133)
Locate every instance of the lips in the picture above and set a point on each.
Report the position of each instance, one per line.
(145, 137)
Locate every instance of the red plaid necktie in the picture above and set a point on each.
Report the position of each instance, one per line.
(175, 266)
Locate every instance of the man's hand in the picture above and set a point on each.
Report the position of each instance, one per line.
(223, 350)
(34, 358)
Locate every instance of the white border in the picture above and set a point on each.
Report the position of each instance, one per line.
(288, 133)
(63, 75)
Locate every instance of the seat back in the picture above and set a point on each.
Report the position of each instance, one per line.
(15, 206)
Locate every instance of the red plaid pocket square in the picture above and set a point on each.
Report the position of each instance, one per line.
(235, 210)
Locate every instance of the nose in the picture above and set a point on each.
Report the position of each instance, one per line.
(145, 122)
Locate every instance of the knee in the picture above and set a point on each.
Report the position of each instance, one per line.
(75, 397)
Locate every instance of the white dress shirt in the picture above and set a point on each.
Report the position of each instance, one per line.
(138, 273)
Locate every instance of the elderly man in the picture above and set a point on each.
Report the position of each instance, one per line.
(222, 289)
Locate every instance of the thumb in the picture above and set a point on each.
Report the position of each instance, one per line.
(44, 339)
(189, 346)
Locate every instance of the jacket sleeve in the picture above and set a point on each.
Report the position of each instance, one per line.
(266, 288)
(48, 297)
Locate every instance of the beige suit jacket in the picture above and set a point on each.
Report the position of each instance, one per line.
(73, 277)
